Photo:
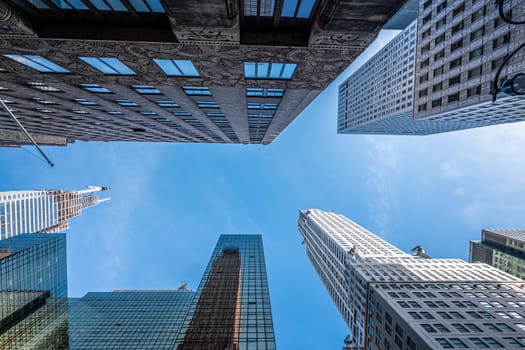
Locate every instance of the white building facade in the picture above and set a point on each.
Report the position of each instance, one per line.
(42, 211)
(357, 268)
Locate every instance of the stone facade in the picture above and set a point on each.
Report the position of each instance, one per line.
(217, 37)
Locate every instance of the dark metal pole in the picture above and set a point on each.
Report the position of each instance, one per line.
(26, 133)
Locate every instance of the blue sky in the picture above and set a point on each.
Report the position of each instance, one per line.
(171, 201)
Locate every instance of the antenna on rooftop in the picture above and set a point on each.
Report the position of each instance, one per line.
(184, 285)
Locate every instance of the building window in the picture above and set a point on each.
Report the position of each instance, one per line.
(267, 70)
(208, 104)
(147, 6)
(478, 343)
(261, 92)
(38, 63)
(127, 103)
(95, 88)
(112, 5)
(441, 22)
(176, 68)
(108, 65)
(457, 343)
(167, 104)
(458, 10)
(297, 9)
(444, 343)
(457, 28)
(262, 105)
(453, 97)
(454, 80)
(423, 92)
(438, 71)
(475, 72)
(458, 44)
(441, 6)
(440, 39)
(477, 34)
(476, 53)
(423, 78)
(426, 33)
(146, 90)
(437, 87)
(439, 55)
(497, 62)
(492, 343)
(196, 90)
(478, 14)
(85, 102)
(428, 328)
(455, 63)
(437, 103)
(427, 18)
(502, 40)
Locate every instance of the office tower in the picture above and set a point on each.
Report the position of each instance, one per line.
(43, 211)
(231, 309)
(174, 71)
(34, 262)
(393, 300)
(503, 249)
(382, 96)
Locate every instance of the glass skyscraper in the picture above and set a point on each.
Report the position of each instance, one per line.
(392, 300)
(229, 311)
(34, 262)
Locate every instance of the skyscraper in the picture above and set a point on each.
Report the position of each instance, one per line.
(229, 311)
(34, 262)
(503, 249)
(454, 51)
(393, 300)
(42, 211)
(185, 71)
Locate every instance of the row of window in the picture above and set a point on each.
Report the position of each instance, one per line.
(172, 68)
(101, 5)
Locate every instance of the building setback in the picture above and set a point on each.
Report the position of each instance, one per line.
(503, 249)
(43, 211)
(436, 75)
(393, 300)
(185, 71)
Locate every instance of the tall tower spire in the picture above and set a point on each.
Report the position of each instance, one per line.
(43, 211)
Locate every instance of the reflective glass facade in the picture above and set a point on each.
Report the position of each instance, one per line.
(32, 320)
(34, 262)
(128, 320)
(235, 287)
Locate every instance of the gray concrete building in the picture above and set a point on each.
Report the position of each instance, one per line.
(460, 46)
(429, 78)
(503, 249)
(173, 71)
(392, 300)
